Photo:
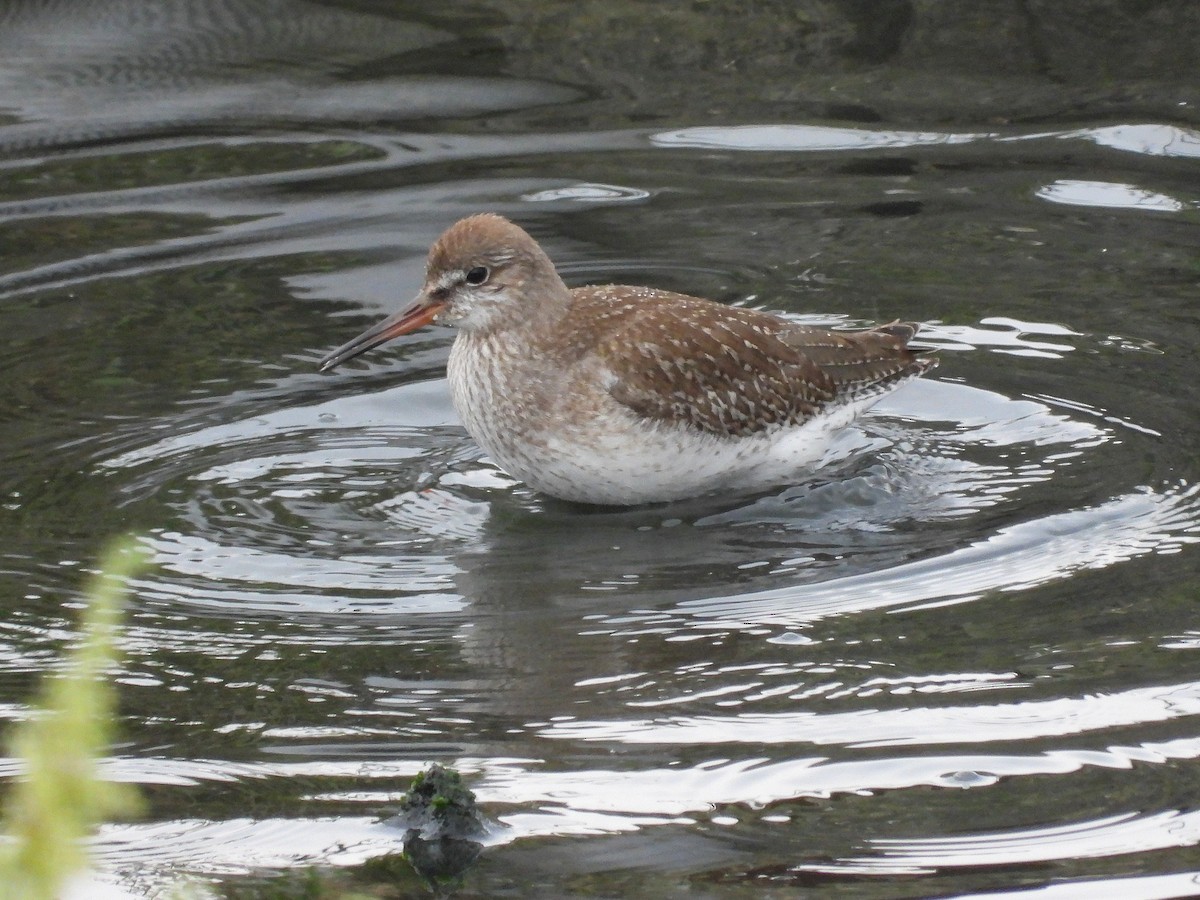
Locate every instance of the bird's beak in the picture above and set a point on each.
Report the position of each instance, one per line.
(416, 315)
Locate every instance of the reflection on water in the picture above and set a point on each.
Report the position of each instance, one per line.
(955, 658)
(1103, 193)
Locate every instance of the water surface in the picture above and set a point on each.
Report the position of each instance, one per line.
(957, 661)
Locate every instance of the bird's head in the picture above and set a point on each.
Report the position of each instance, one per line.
(484, 274)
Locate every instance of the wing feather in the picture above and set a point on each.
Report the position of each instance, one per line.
(731, 371)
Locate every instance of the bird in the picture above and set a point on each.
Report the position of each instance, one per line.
(618, 395)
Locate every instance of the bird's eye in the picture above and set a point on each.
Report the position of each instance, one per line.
(477, 275)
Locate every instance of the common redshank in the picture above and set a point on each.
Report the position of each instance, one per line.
(624, 395)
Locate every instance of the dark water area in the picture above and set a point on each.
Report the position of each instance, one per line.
(961, 661)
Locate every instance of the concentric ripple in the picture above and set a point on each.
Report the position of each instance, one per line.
(371, 500)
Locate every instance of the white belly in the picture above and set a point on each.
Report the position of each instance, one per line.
(582, 445)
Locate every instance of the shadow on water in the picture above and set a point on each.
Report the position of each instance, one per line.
(956, 659)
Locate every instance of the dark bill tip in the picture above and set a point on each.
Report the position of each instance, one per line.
(409, 319)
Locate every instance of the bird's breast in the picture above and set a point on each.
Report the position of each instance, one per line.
(504, 397)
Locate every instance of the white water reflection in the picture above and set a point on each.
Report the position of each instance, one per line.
(1150, 139)
(804, 137)
(906, 727)
(1002, 334)
(588, 193)
(1108, 837)
(1137, 887)
(390, 419)
(1075, 192)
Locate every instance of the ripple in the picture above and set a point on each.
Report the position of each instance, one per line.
(804, 137)
(602, 801)
(1142, 887)
(589, 193)
(242, 846)
(1013, 559)
(1149, 139)
(369, 502)
(917, 726)
(1111, 836)
(130, 72)
(1001, 334)
(680, 791)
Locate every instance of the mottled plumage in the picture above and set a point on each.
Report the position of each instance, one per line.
(616, 394)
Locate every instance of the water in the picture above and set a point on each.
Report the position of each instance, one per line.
(958, 661)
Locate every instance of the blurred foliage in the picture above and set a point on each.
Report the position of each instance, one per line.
(51, 810)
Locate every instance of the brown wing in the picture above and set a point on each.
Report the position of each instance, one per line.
(862, 363)
(732, 371)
